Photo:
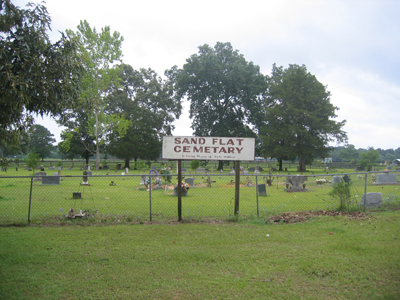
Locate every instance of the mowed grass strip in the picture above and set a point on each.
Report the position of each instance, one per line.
(325, 258)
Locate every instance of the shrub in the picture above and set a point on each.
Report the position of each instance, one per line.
(341, 191)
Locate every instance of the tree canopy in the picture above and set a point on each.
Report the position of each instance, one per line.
(36, 76)
(146, 101)
(223, 89)
(99, 52)
(299, 117)
(40, 140)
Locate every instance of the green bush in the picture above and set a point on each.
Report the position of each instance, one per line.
(341, 191)
(194, 164)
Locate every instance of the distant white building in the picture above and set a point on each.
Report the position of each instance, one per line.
(327, 160)
(396, 162)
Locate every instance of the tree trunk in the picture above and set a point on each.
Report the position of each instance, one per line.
(87, 157)
(126, 163)
(135, 164)
(220, 165)
(280, 164)
(97, 143)
(302, 164)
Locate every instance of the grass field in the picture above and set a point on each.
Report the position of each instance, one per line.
(323, 258)
(128, 202)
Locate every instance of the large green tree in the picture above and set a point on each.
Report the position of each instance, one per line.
(99, 52)
(299, 117)
(369, 158)
(76, 139)
(349, 153)
(40, 140)
(146, 101)
(36, 76)
(223, 89)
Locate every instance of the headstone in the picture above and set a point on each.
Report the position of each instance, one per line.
(154, 167)
(259, 169)
(55, 174)
(359, 168)
(252, 169)
(189, 181)
(59, 168)
(106, 167)
(183, 170)
(371, 200)
(232, 171)
(336, 179)
(245, 172)
(126, 170)
(209, 181)
(85, 178)
(88, 168)
(296, 182)
(249, 183)
(201, 170)
(76, 195)
(119, 166)
(69, 168)
(262, 191)
(143, 179)
(51, 180)
(51, 168)
(39, 176)
(386, 178)
(256, 171)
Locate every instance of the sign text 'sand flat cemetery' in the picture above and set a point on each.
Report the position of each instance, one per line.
(208, 148)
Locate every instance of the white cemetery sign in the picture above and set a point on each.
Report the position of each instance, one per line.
(208, 148)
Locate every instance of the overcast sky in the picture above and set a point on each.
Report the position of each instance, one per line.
(352, 46)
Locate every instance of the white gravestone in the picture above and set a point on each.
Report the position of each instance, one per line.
(371, 200)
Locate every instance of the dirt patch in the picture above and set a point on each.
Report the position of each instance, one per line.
(302, 216)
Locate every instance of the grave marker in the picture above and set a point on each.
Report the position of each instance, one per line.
(262, 191)
(51, 180)
(386, 178)
(371, 200)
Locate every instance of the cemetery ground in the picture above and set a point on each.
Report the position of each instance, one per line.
(117, 198)
(298, 247)
(326, 257)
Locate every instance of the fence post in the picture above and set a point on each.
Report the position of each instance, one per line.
(30, 202)
(237, 186)
(258, 212)
(365, 191)
(150, 194)
(179, 190)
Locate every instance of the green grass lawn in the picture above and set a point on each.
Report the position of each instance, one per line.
(324, 258)
(128, 202)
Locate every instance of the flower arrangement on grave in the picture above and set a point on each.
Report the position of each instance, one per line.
(373, 176)
(184, 186)
(157, 181)
(241, 169)
(165, 173)
(321, 180)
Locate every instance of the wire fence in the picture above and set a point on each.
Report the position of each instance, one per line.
(148, 197)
